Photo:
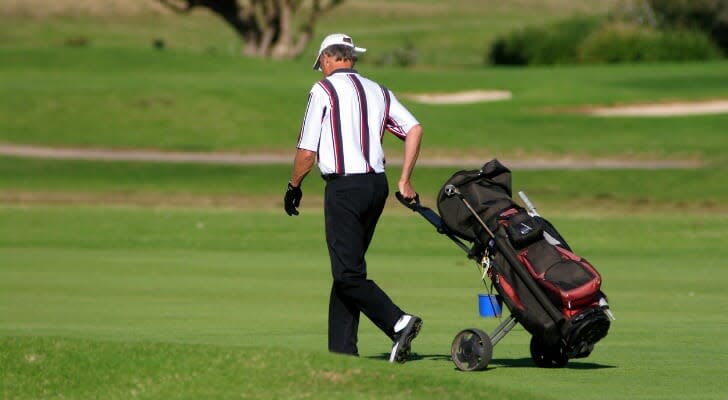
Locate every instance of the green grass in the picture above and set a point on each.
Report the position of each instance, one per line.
(141, 98)
(444, 33)
(214, 372)
(696, 190)
(193, 303)
(200, 94)
(152, 280)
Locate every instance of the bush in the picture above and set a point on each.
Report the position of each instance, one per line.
(708, 16)
(592, 40)
(631, 43)
(551, 44)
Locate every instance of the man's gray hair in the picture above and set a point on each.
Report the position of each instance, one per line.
(341, 52)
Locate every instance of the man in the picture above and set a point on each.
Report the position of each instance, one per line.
(343, 126)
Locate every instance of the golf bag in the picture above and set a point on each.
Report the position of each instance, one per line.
(553, 292)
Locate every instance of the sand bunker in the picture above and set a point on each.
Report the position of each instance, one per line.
(467, 97)
(632, 110)
(661, 109)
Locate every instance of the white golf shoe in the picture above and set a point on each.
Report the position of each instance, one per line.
(405, 330)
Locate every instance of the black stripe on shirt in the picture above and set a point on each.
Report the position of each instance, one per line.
(387, 101)
(364, 116)
(335, 126)
(389, 123)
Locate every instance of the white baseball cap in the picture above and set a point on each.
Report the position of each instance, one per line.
(332, 40)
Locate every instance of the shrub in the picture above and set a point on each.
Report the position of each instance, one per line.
(708, 16)
(618, 42)
(683, 45)
(592, 40)
(551, 44)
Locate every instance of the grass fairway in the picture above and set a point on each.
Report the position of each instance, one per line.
(193, 303)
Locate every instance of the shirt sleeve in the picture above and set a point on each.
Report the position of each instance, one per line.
(308, 138)
(400, 120)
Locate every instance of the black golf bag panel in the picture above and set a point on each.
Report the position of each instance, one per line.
(489, 191)
(523, 303)
(567, 286)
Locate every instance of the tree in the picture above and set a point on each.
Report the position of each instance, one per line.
(269, 28)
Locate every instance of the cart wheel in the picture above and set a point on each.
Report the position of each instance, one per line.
(471, 350)
(547, 356)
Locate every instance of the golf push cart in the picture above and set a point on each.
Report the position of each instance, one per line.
(552, 292)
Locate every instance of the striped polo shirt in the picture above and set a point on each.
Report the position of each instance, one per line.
(345, 120)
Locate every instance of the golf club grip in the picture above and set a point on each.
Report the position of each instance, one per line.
(531, 208)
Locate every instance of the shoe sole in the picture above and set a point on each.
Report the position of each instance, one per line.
(402, 353)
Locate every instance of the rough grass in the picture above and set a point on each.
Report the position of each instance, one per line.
(437, 30)
(43, 9)
(128, 8)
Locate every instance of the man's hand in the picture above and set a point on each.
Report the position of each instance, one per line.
(292, 199)
(405, 188)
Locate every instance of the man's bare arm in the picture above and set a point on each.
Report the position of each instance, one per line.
(302, 165)
(411, 152)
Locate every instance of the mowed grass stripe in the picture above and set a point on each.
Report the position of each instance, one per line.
(34, 181)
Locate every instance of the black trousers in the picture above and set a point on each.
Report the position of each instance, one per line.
(352, 207)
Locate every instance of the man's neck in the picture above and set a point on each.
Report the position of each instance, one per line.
(343, 70)
(341, 65)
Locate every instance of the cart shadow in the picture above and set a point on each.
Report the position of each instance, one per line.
(528, 363)
(497, 362)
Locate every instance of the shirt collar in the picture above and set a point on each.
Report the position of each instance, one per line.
(345, 71)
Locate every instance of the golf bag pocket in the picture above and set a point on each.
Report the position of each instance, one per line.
(569, 280)
(523, 229)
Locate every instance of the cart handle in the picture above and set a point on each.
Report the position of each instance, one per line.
(412, 204)
(436, 221)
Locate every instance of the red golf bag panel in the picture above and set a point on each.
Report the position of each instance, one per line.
(570, 281)
(522, 302)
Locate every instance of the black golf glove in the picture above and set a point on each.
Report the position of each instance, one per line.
(292, 199)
